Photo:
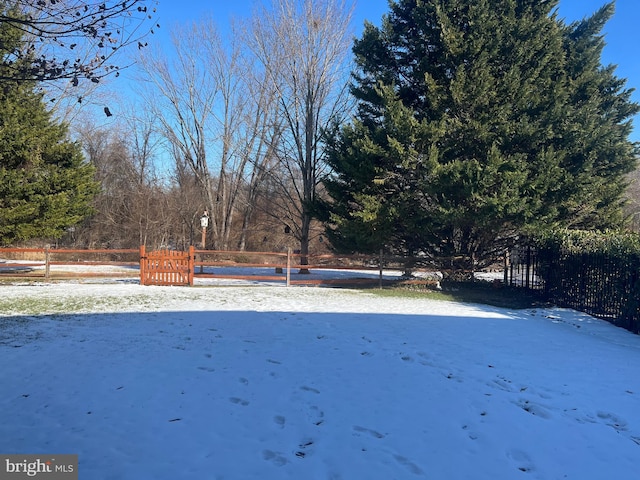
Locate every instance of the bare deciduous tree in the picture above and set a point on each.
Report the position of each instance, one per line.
(217, 117)
(183, 97)
(304, 47)
(132, 203)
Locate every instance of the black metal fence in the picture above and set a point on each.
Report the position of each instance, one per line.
(522, 269)
(600, 284)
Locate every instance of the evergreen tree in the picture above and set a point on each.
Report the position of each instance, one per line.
(45, 185)
(595, 129)
(478, 120)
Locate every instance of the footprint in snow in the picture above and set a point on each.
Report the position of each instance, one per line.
(408, 464)
(368, 431)
(613, 421)
(426, 359)
(316, 415)
(310, 389)
(274, 457)
(533, 408)
(239, 401)
(521, 460)
(609, 419)
(502, 383)
(279, 420)
(472, 435)
(304, 448)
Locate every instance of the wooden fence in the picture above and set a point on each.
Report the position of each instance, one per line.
(53, 263)
(158, 269)
(167, 267)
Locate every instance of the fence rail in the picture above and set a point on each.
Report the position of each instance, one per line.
(53, 263)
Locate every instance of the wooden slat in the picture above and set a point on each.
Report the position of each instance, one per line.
(166, 267)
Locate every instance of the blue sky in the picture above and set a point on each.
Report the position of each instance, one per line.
(622, 31)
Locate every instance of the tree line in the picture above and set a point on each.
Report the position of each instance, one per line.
(452, 131)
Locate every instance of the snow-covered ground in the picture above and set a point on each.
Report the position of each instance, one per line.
(269, 382)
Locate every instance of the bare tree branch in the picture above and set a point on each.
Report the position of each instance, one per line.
(72, 39)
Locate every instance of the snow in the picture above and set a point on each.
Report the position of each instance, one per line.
(270, 382)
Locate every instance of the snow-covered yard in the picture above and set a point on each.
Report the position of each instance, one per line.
(269, 382)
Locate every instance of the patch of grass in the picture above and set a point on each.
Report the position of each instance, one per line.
(44, 305)
(47, 305)
(22, 306)
(477, 292)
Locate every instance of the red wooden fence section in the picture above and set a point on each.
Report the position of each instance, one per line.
(173, 268)
(167, 267)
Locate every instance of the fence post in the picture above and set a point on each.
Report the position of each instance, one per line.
(192, 264)
(506, 267)
(142, 266)
(528, 269)
(288, 266)
(47, 261)
(380, 263)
